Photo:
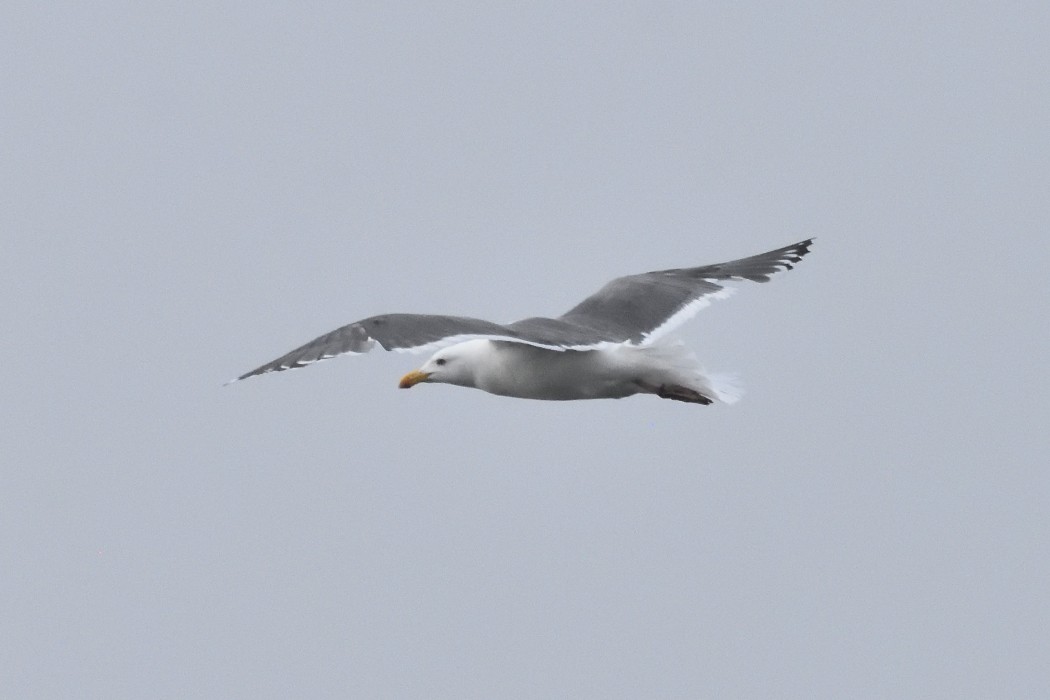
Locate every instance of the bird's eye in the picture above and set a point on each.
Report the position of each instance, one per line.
(440, 361)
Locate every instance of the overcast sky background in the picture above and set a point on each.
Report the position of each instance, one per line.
(192, 189)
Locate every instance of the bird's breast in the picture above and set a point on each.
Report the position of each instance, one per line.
(528, 372)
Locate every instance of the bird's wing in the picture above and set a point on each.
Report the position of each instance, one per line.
(641, 308)
(402, 332)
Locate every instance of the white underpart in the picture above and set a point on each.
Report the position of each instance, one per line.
(523, 371)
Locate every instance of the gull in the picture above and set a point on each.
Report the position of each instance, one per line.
(613, 344)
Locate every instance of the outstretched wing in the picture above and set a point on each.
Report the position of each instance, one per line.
(635, 309)
(405, 332)
(641, 308)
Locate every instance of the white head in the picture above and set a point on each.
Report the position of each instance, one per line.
(455, 364)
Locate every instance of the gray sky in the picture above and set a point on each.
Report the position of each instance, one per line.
(192, 189)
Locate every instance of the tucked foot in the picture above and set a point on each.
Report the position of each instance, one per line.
(681, 393)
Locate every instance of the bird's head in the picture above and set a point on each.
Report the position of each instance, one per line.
(451, 365)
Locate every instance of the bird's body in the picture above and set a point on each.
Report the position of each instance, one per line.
(611, 345)
(528, 372)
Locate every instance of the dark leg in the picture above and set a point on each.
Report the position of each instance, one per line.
(681, 393)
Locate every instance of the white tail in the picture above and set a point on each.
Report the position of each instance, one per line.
(726, 387)
(669, 361)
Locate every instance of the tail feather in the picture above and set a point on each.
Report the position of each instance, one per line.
(726, 387)
(678, 365)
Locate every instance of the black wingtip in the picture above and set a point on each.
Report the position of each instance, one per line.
(793, 254)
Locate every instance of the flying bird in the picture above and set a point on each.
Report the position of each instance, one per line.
(611, 345)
